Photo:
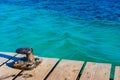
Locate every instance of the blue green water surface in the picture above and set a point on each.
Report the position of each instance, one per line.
(54, 31)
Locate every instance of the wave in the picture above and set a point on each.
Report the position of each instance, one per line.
(83, 9)
(53, 34)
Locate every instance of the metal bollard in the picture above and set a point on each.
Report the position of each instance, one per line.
(30, 63)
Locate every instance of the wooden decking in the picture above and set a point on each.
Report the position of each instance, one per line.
(55, 69)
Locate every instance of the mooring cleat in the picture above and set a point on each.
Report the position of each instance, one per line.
(30, 63)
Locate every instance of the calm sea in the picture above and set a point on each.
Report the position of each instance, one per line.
(86, 30)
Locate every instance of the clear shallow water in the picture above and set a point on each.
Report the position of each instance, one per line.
(55, 31)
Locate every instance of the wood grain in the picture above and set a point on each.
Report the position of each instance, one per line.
(96, 71)
(117, 73)
(7, 72)
(40, 72)
(66, 70)
(5, 56)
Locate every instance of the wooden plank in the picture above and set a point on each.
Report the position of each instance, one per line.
(40, 72)
(96, 71)
(5, 56)
(7, 72)
(117, 73)
(66, 70)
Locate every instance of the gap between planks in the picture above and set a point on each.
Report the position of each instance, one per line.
(8, 72)
(66, 70)
(99, 69)
(96, 71)
(40, 72)
(117, 73)
(5, 57)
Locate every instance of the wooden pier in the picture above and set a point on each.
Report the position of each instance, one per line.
(55, 69)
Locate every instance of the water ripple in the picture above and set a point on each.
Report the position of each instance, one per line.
(53, 34)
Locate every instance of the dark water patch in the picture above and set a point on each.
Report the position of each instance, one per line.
(83, 9)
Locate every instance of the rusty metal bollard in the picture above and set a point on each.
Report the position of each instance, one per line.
(30, 62)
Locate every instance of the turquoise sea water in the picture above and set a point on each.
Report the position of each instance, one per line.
(53, 33)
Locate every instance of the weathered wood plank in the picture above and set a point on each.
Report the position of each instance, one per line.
(40, 72)
(6, 70)
(5, 56)
(66, 70)
(117, 73)
(96, 71)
